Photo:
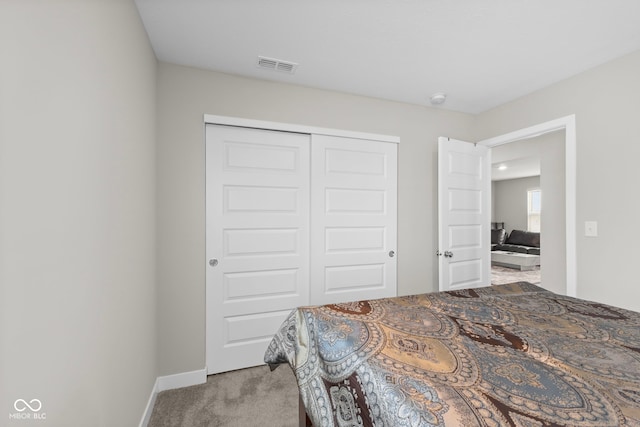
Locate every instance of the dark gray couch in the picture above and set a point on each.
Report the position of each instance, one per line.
(498, 237)
(526, 242)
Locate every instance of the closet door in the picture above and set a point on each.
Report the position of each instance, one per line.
(353, 219)
(257, 243)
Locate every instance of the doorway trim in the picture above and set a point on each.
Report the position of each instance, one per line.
(568, 124)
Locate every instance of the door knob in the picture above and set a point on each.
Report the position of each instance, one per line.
(448, 254)
(213, 262)
(392, 254)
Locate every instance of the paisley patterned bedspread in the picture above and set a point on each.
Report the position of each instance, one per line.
(508, 355)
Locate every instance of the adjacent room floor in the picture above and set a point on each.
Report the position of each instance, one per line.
(501, 275)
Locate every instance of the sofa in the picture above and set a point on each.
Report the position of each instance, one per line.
(498, 237)
(519, 241)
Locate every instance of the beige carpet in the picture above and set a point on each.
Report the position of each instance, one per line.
(253, 397)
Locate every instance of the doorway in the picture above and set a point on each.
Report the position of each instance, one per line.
(566, 124)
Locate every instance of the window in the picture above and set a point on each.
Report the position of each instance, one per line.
(533, 209)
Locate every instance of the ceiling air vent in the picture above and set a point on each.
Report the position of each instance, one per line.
(277, 65)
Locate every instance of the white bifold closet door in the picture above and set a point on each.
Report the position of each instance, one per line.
(353, 219)
(292, 219)
(257, 244)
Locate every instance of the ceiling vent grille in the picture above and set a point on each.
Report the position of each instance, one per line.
(277, 65)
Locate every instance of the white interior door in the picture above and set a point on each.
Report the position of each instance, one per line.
(464, 214)
(354, 219)
(257, 243)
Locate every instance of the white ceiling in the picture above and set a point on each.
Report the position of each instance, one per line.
(516, 168)
(481, 53)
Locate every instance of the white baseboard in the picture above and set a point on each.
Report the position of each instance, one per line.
(169, 382)
(146, 416)
(185, 379)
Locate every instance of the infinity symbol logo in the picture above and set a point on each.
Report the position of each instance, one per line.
(21, 405)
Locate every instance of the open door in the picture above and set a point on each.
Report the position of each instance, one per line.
(464, 209)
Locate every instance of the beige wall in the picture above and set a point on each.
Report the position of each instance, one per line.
(77, 207)
(510, 198)
(606, 102)
(185, 94)
(553, 239)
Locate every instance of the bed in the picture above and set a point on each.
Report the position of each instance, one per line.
(507, 355)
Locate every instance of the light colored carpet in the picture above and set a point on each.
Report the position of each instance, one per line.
(244, 398)
(502, 275)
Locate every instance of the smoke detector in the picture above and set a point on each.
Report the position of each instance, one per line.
(438, 98)
(277, 65)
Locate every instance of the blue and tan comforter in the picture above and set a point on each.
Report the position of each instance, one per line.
(509, 355)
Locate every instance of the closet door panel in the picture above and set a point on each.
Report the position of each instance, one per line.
(353, 219)
(257, 244)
